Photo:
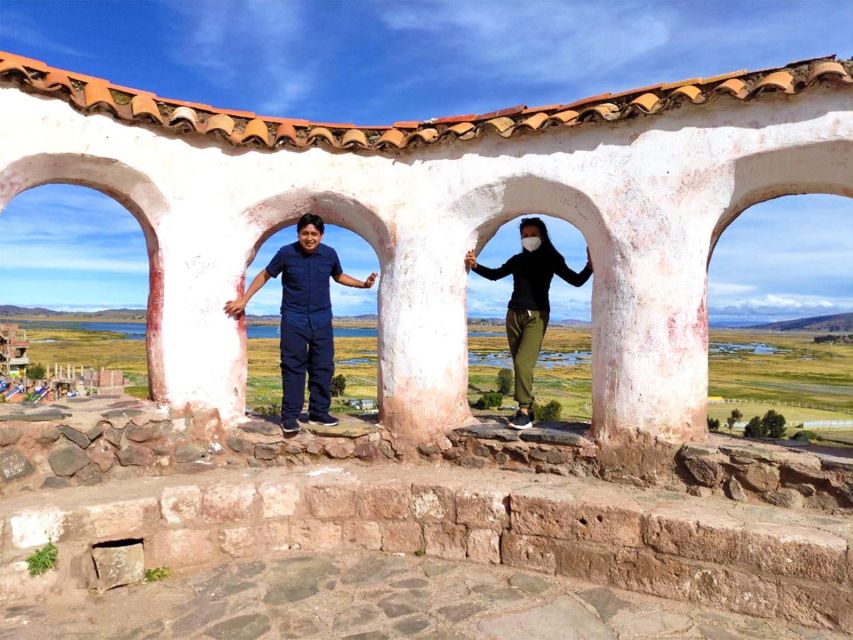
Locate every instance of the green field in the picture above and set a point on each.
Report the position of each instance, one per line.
(803, 380)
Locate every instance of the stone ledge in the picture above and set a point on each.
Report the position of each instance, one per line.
(749, 558)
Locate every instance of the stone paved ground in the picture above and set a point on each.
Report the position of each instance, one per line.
(368, 596)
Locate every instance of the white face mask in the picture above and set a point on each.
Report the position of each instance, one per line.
(532, 243)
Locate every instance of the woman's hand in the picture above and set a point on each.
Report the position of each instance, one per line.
(470, 260)
(370, 280)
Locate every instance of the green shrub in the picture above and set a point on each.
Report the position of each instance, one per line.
(810, 436)
(713, 424)
(549, 412)
(732, 419)
(489, 400)
(43, 560)
(339, 385)
(755, 429)
(269, 410)
(157, 573)
(505, 381)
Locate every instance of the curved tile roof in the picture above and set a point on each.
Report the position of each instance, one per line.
(245, 129)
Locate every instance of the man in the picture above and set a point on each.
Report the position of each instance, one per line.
(306, 320)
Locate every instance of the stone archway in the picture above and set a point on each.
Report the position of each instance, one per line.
(283, 210)
(133, 191)
(492, 205)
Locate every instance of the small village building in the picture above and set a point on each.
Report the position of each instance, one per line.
(13, 349)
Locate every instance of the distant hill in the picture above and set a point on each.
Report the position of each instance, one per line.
(11, 311)
(841, 322)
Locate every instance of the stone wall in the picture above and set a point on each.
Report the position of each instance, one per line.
(737, 469)
(122, 439)
(754, 559)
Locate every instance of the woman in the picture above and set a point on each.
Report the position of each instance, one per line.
(529, 309)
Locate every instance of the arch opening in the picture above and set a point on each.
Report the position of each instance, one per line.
(562, 385)
(780, 300)
(364, 245)
(120, 189)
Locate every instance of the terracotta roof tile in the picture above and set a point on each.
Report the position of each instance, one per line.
(88, 94)
(256, 131)
(143, 106)
(220, 123)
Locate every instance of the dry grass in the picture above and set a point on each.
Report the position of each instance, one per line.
(804, 372)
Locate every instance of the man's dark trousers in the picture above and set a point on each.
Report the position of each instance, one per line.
(306, 348)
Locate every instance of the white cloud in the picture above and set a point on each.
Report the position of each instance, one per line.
(250, 45)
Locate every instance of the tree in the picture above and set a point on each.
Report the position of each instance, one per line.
(36, 371)
(773, 424)
(505, 381)
(339, 384)
(734, 418)
(754, 429)
(713, 424)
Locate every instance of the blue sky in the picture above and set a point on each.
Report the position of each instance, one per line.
(376, 62)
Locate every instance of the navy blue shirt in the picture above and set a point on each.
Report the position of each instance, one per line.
(305, 277)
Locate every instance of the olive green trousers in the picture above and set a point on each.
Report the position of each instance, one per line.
(525, 331)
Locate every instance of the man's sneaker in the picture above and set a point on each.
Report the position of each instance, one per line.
(521, 421)
(289, 426)
(323, 419)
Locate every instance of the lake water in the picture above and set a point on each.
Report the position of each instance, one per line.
(136, 330)
(751, 347)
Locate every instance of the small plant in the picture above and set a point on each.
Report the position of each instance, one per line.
(489, 400)
(805, 435)
(157, 573)
(269, 411)
(505, 381)
(420, 552)
(774, 423)
(339, 385)
(754, 429)
(43, 560)
(36, 371)
(713, 424)
(734, 418)
(549, 412)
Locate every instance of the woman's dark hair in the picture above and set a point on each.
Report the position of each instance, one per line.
(310, 218)
(543, 231)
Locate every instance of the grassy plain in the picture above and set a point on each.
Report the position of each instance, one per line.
(802, 380)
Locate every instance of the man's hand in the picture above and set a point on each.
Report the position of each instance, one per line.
(470, 260)
(235, 308)
(371, 279)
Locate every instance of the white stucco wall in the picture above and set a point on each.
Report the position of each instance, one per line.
(650, 195)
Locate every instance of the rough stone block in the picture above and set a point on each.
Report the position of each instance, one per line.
(279, 498)
(36, 527)
(760, 477)
(136, 455)
(189, 452)
(117, 566)
(101, 454)
(181, 548)
(257, 540)
(484, 546)
(226, 502)
(77, 437)
(118, 519)
(402, 537)
(693, 532)
(9, 435)
(446, 540)
(89, 475)
(359, 534)
(14, 465)
(433, 503)
(585, 560)
(386, 501)
(705, 471)
(67, 460)
(145, 432)
(48, 434)
(339, 448)
(789, 550)
(179, 505)
(816, 605)
(597, 515)
(528, 552)
(267, 451)
(332, 501)
(314, 535)
(482, 509)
